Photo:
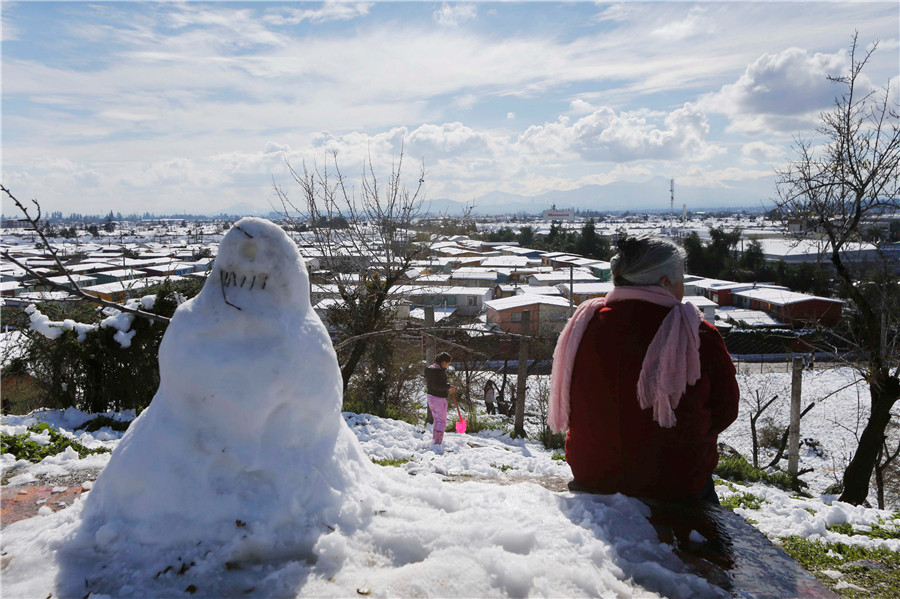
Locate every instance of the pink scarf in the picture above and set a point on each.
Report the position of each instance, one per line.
(671, 364)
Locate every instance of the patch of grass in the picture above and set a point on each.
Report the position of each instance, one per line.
(503, 467)
(474, 423)
(392, 461)
(814, 557)
(737, 469)
(25, 449)
(876, 533)
(559, 456)
(721, 482)
(745, 500)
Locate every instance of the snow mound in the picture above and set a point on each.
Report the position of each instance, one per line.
(243, 451)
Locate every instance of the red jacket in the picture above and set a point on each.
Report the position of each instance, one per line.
(615, 446)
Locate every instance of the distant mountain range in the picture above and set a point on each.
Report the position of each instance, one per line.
(649, 196)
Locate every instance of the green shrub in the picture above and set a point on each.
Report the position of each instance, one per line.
(835, 489)
(392, 461)
(553, 440)
(737, 469)
(97, 374)
(745, 500)
(559, 456)
(24, 449)
(95, 424)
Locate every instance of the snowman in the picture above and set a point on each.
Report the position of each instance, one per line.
(243, 446)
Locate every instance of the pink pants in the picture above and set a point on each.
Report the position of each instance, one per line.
(438, 407)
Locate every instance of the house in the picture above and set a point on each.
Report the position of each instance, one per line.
(584, 291)
(706, 306)
(10, 288)
(467, 300)
(546, 313)
(795, 309)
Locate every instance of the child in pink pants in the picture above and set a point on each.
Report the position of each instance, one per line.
(437, 387)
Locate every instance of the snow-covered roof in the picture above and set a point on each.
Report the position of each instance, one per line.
(753, 318)
(538, 290)
(562, 276)
(700, 301)
(440, 313)
(781, 297)
(519, 301)
(508, 261)
(588, 288)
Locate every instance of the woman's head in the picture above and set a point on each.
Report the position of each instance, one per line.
(647, 260)
(443, 359)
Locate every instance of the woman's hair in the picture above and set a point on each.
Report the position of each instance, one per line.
(644, 260)
(442, 357)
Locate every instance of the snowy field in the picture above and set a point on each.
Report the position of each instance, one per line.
(474, 518)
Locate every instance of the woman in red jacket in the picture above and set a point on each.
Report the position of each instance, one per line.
(643, 385)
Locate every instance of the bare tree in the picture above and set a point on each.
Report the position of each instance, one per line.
(842, 183)
(368, 236)
(73, 287)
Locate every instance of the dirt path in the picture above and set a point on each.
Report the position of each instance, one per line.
(21, 502)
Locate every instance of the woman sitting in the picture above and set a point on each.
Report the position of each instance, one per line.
(643, 384)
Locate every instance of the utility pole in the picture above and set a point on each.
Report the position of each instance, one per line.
(524, 340)
(571, 289)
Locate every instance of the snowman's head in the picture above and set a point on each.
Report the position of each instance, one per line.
(259, 268)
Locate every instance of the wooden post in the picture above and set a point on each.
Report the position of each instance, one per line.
(519, 425)
(794, 429)
(430, 352)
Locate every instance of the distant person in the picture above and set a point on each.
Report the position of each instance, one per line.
(490, 392)
(642, 383)
(438, 388)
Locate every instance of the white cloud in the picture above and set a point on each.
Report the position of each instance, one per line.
(605, 135)
(580, 106)
(762, 151)
(452, 14)
(693, 24)
(329, 11)
(783, 91)
(510, 116)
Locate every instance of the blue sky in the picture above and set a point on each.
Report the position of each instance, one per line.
(171, 107)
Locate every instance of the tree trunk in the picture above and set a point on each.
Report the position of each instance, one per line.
(879, 481)
(859, 472)
(356, 354)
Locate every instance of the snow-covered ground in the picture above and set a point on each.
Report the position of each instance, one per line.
(243, 478)
(474, 518)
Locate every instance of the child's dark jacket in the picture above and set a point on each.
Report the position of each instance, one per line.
(436, 381)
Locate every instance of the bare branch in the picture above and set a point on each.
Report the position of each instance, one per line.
(76, 289)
